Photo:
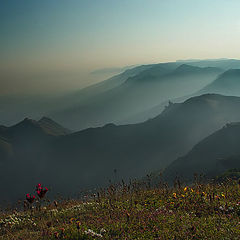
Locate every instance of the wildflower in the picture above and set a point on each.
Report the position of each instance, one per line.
(92, 233)
(29, 198)
(78, 225)
(185, 189)
(102, 231)
(41, 191)
(203, 194)
(174, 195)
(221, 208)
(56, 234)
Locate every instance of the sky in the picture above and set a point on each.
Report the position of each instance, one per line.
(52, 45)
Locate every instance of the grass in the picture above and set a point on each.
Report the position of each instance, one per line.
(134, 211)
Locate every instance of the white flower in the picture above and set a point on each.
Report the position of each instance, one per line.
(102, 230)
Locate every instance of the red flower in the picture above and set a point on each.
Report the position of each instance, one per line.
(29, 198)
(41, 192)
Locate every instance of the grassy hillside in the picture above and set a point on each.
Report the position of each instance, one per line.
(134, 211)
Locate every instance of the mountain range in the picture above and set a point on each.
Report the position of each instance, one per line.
(34, 151)
(124, 127)
(132, 96)
(226, 83)
(136, 94)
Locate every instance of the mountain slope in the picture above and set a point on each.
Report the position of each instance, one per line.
(227, 83)
(213, 155)
(137, 149)
(88, 158)
(52, 127)
(138, 93)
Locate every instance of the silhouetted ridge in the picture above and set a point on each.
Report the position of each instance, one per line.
(27, 123)
(204, 97)
(52, 127)
(186, 67)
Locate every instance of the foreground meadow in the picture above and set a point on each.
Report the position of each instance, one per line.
(133, 211)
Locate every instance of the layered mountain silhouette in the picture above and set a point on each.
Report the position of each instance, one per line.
(91, 157)
(227, 83)
(212, 156)
(30, 128)
(136, 94)
(137, 149)
(28, 137)
(13, 108)
(129, 95)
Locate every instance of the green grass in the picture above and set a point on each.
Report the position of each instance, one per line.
(135, 211)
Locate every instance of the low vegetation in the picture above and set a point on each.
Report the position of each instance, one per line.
(131, 211)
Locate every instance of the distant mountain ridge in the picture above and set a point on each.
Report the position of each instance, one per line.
(227, 83)
(45, 126)
(87, 158)
(149, 87)
(88, 106)
(53, 127)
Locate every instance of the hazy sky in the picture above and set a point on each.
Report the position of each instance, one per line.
(49, 42)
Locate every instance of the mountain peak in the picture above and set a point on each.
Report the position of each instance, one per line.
(27, 121)
(52, 127)
(186, 67)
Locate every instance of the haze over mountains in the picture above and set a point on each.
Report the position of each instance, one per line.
(136, 94)
(33, 150)
(213, 155)
(126, 96)
(175, 139)
(226, 83)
